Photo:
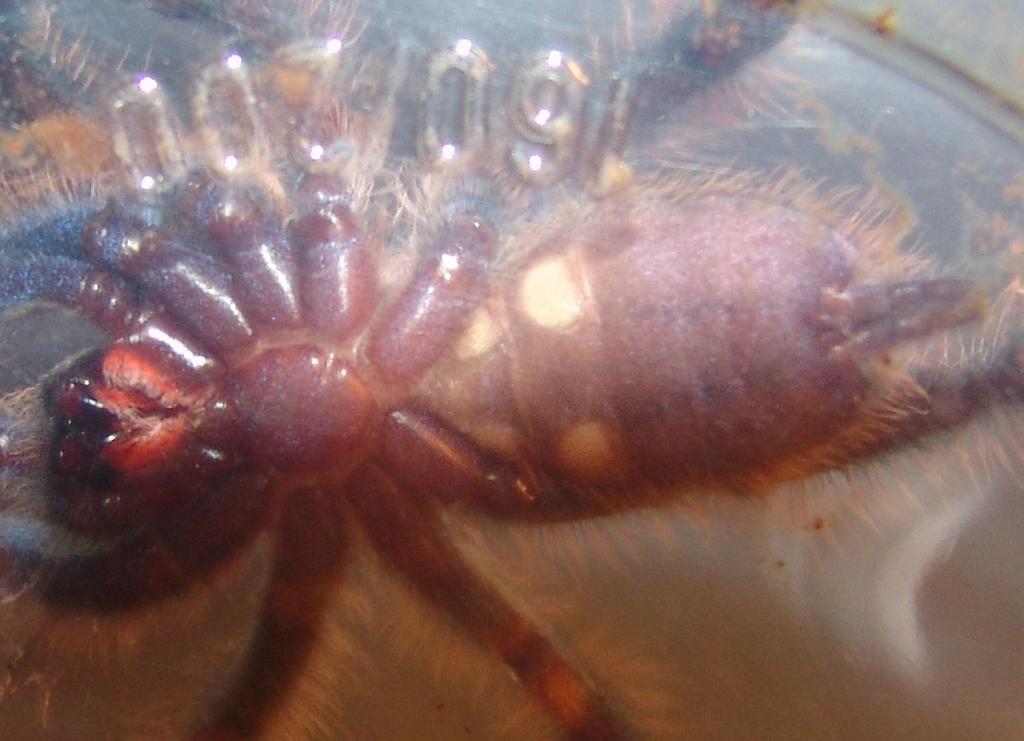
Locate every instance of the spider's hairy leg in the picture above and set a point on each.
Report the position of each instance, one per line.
(308, 563)
(59, 55)
(709, 43)
(38, 277)
(59, 65)
(406, 531)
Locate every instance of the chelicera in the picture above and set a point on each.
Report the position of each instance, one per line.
(264, 370)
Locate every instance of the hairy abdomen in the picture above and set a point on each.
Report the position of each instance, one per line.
(681, 343)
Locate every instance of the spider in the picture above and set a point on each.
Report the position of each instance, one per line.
(272, 362)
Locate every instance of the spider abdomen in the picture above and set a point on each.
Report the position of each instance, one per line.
(691, 346)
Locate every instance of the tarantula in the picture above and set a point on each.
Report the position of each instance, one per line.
(273, 362)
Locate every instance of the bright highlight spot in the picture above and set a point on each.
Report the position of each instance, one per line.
(333, 46)
(448, 152)
(147, 84)
(554, 58)
(542, 117)
(233, 61)
(449, 264)
(179, 349)
(147, 182)
(536, 162)
(316, 152)
(463, 47)
(230, 163)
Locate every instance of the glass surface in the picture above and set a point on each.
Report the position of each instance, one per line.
(876, 598)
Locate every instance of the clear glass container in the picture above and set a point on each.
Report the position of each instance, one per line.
(871, 590)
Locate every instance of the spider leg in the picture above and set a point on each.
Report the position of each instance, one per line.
(58, 55)
(99, 296)
(308, 561)
(710, 42)
(406, 532)
(429, 456)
